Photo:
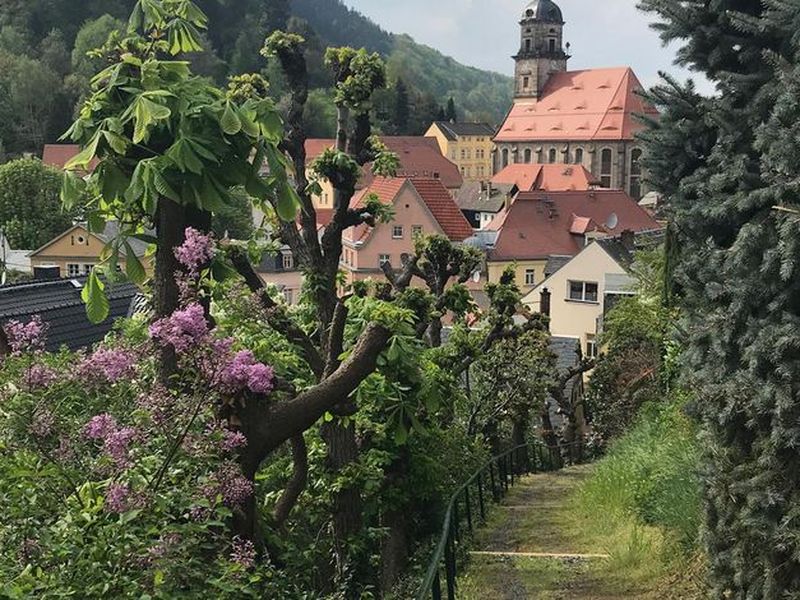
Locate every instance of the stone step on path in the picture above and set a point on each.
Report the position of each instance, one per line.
(529, 548)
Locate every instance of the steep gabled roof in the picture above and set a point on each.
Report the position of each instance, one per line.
(538, 224)
(546, 177)
(590, 105)
(58, 155)
(443, 208)
(432, 193)
(59, 304)
(453, 131)
(419, 157)
(110, 232)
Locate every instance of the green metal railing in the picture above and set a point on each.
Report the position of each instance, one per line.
(470, 504)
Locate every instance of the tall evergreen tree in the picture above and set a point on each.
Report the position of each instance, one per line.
(402, 109)
(738, 262)
(450, 113)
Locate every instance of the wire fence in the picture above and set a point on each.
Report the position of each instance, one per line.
(469, 506)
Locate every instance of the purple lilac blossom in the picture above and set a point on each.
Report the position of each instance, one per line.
(109, 364)
(232, 440)
(229, 483)
(197, 250)
(183, 330)
(243, 552)
(42, 423)
(117, 445)
(117, 495)
(243, 371)
(100, 426)
(40, 376)
(26, 337)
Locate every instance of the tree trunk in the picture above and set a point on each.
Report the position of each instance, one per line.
(170, 228)
(518, 438)
(343, 451)
(396, 547)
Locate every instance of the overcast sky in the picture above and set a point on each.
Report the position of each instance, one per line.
(485, 33)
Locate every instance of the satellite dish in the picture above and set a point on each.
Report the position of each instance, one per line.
(612, 221)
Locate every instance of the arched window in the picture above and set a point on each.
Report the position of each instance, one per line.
(579, 156)
(551, 155)
(505, 157)
(527, 45)
(552, 45)
(606, 167)
(636, 174)
(528, 155)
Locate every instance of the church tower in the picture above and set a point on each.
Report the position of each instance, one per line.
(541, 50)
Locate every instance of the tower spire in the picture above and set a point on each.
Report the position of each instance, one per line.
(541, 50)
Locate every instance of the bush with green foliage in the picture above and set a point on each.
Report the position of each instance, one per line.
(30, 207)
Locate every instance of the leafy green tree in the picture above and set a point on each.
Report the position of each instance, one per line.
(30, 207)
(736, 260)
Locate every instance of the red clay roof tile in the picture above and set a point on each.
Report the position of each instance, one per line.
(595, 104)
(539, 224)
(549, 177)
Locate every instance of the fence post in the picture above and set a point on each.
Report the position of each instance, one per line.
(456, 527)
(468, 508)
(450, 567)
(436, 591)
(480, 497)
(495, 495)
(512, 466)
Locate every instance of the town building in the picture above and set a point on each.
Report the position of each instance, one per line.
(77, 250)
(578, 295)
(422, 207)
(540, 229)
(58, 302)
(586, 118)
(468, 145)
(59, 155)
(418, 156)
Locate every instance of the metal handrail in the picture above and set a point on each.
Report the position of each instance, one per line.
(446, 547)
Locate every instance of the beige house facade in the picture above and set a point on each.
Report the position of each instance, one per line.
(77, 250)
(579, 290)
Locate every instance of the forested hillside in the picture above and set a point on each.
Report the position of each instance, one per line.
(44, 45)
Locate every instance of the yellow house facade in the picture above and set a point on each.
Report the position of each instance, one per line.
(77, 250)
(468, 145)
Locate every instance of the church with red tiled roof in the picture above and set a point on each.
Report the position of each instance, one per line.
(586, 118)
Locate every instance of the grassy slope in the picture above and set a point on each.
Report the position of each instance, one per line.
(640, 505)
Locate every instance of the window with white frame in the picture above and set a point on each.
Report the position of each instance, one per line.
(397, 232)
(87, 269)
(583, 291)
(530, 277)
(384, 259)
(73, 270)
(288, 262)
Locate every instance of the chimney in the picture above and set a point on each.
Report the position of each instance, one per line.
(628, 239)
(545, 302)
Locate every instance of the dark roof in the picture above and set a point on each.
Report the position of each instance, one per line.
(554, 264)
(546, 11)
(474, 196)
(618, 251)
(453, 131)
(59, 304)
